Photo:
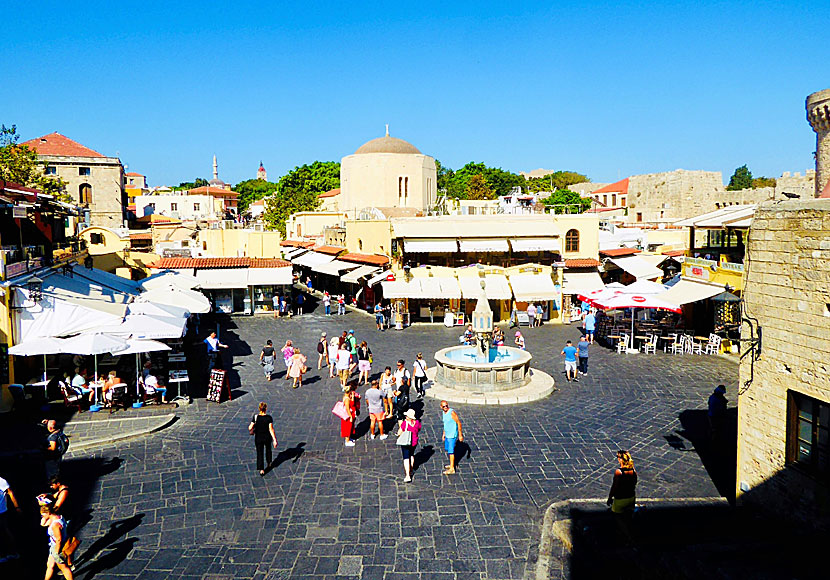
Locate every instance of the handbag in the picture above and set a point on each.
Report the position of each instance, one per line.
(404, 438)
(252, 425)
(340, 410)
(70, 546)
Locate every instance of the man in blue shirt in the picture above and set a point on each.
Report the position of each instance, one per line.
(582, 355)
(570, 361)
(590, 325)
(213, 346)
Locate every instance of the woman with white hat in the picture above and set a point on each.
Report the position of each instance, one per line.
(520, 340)
(407, 440)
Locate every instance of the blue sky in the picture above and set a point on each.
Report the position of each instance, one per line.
(607, 89)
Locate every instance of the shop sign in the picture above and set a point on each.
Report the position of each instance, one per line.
(698, 272)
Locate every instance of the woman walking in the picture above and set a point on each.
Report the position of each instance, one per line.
(419, 374)
(287, 353)
(262, 428)
(297, 368)
(266, 359)
(364, 363)
(344, 355)
(347, 425)
(322, 351)
(622, 496)
(334, 346)
(412, 426)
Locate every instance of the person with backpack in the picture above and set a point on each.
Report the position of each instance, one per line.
(322, 351)
(57, 444)
(402, 384)
(419, 372)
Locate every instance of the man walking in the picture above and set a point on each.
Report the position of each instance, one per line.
(379, 315)
(375, 398)
(327, 303)
(7, 539)
(213, 346)
(299, 302)
(582, 355)
(57, 444)
(452, 434)
(590, 325)
(570, 361)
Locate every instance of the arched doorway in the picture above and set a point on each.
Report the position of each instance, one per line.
(85, 194)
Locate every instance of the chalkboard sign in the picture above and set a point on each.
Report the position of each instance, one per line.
(218, 386)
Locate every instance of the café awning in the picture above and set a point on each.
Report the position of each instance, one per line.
(427, 245)
(687, 291)
(484, 245)
(311, 259)
(432, 288)
(217, 278)
(536, 244)
(281, 276)
(144, 326)
(190, 300)
(581, 282)
(496, 287)
(354, 276)
(637, 267)
(533, 287)
(334, 267)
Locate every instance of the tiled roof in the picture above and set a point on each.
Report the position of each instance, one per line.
(674, 253)
(208, 190)
(617, 252)
(620, 186)
(329, 193)
(296, 244)
(825, 193)
(141, 236)
(157, 219)
(581, 263)
(200, 263)
(604, 209)
(330, 250)
(134, 174)
(60, 145)
(372, 259)
(269, 263)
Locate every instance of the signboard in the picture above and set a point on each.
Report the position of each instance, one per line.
(218, 386)
(19, 212)
(176, 253)
(699, 272)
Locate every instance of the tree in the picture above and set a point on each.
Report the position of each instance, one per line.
(297, 191)
(252, 190)
(555, 180)
(477, 188)
(20, 164)
(564, 201)
(444, 175)
(198, 182)
(741, 179)
(498, 180)
(758, 182)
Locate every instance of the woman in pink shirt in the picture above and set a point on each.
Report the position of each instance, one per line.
(411, 424)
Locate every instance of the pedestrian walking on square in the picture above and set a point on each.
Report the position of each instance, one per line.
(419, 374)
(531, 315)
(343, 359)
(341, 304)
(334, 346)
(582, 355)
(520, 340)
(8, 544)
(299, 302)
(570, 354)
(297, 368)
(322, 351)
(514, 315)
(56, 531)
(57, 444)
(266, 359)
(308, 283)
(402, 384)
(275, 305)
(213, 346)
(327, 303)
(622, 496)
(408, 443)
(452, 434)
(347, 425)
(364, 363)
(379, 315)
(287, 353)
(352, 350)
(374, 400)
(387, 386)
(590, 323)
(262, 428)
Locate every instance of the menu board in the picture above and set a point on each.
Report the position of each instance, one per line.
(218, 386)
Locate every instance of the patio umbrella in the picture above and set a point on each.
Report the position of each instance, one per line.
(193, 301)
(634, 301)
(169, 278)
(145, 326)
(42, 345)
(141, 306)
(137, 346)
(94, 344)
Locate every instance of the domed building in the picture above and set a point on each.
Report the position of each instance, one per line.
(387, 172)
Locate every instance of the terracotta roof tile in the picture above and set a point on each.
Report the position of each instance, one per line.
(581, 263)
(674, 253)
(620, 186)
(134, 174)
(329, 193)
(269, 263)
(141, 236)
(296, 244)
(208, 190)
(617, 252)
(330, 250)
(200, 263)
(371, 259)
(57, 144)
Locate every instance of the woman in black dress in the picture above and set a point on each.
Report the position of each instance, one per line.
(262, 428)
(266, 359)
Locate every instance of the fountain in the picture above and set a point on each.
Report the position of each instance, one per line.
(485, 374)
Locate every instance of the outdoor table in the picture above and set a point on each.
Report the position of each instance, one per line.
(668, 339)
(44, 384)
(178, 377)
(176, 358)
(640, 337)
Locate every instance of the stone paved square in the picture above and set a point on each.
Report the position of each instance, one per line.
(186, 502)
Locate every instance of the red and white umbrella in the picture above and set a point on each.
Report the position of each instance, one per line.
(635, 301)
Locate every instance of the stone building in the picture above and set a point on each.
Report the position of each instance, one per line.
(261, 173)
(387, 172)
(94, 181)
(784, 398)
(818, 115)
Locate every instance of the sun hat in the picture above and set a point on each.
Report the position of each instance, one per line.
(410, 414)
(518, 333)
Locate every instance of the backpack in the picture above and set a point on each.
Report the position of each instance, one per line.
(320, 348)
(62, 442)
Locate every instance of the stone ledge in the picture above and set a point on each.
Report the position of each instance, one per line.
(541, 385)
(80, 442)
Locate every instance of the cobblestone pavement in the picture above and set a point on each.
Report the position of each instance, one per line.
(187, 502)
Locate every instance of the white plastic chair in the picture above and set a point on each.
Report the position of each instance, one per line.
(622, 345)
(650, 346)
(679, 345)
(693, 347)
(713, 346)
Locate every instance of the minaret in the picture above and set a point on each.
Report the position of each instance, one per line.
(387, 129)
(818, 115)
(215, 168)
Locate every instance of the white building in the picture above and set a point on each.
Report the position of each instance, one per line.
(181, 206)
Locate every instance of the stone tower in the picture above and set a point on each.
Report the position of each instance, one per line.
(818, 115)
(261, 173)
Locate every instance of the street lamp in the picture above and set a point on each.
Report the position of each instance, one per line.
(35, 288)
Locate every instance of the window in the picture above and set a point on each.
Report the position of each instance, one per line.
(85, 194)
(406, 187)
(50, 170)
(605, 200)
(614, 199)
(808, 434)
(196, 207)
(84, 171)
(622, 201)
(639, 216)
(400, 188)
(96, 238)
(359, 244)
(299, 230)
(174, 207)
(572, 241)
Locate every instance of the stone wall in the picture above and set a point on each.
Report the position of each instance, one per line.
(818, 115)
(787, 290)
(106, 177)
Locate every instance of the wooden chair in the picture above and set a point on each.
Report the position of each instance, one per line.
(693, 347)
(72, 398)
(119, 397)
(650, 346)
(679, 345)
(713, 346)
(622, 345)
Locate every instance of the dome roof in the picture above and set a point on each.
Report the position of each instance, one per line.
(387, 144)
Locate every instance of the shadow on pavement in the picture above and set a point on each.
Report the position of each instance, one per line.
(292, 454)
(718, 452)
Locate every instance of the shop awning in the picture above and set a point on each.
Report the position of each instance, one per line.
(334, 268)
(270, 276)
(354, 276)
(536, 244)
(485, 245)
(400, 289)
(377, 278)
(581, 282)
(293, 253)
(496, 287)
(637, 267)
(215, 278)
(687, 291)
(311, 259)
(533, 287)
(433, 288)
(412, 246)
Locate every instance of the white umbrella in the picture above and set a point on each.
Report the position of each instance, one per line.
(194, 302)
(42, 345)
(94, 344)
(168, 278)
(144, 326)
(141, 306)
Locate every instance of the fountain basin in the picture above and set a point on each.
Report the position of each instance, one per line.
(467, 369)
